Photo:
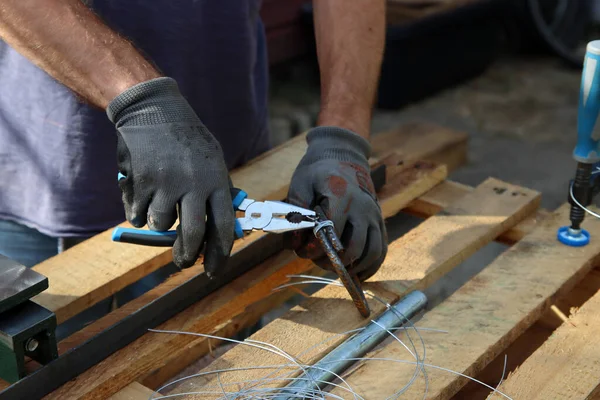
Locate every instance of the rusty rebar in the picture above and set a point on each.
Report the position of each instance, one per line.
(325, 233)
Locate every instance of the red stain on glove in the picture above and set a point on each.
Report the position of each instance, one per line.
(337, 185)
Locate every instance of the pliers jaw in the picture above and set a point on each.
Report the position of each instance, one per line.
(275, 216)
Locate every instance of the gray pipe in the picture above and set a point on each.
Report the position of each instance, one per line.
(339, 359)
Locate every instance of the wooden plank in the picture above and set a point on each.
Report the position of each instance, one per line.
(512, 236)
(439, 198)
(98, 268)
(449, 237)
(422, 141)
(133, 391)
(513, 356)
(449, 191)
(420, 178)
(221, 313)
(488, 313)
(566, 366)
(532, 338)
(414, 261)
(305, 327)
(154, 358)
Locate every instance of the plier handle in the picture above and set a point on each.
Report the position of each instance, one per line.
(268, 216)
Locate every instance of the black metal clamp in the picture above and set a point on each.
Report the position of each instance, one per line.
(26, 328)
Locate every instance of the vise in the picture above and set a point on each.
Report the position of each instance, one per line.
(26, 328)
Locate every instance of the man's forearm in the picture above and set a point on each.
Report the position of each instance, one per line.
(350, 39)
(64, 38)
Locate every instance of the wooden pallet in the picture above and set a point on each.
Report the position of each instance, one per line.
(504, 309)
(483, 318)
(496, 308)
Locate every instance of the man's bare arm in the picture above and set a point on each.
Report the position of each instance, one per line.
(74, 46)
(350, 39)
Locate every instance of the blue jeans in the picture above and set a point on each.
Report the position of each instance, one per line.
(30, 247)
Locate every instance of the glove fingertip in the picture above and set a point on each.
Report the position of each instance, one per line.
(215, 264)
(137, 220)
(220, 232)
(183, 259)
(184, 256)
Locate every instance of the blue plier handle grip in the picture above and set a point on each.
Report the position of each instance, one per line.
(167, 238)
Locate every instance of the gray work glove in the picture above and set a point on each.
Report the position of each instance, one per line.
(334, 174)
(171, 160)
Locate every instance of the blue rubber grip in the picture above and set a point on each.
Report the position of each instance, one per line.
(238, 195)
(239, 232)
(588, 134)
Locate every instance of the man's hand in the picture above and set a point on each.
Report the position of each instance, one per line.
(166, 153)
(169, 158)
(334, 174)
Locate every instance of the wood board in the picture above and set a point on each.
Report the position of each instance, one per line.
(98, 268)
(449, 191)
(132, 392)
(567, 365)
(485, 315)
(533, 338)
(325, 315)
(455, 233)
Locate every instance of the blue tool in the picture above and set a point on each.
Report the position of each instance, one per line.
(587, 150)
(268, 216)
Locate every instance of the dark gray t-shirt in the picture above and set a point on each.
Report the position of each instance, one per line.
(58, 156)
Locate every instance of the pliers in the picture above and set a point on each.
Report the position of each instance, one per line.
(267, 216)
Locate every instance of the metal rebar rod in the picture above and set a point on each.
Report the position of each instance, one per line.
(340, 358)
